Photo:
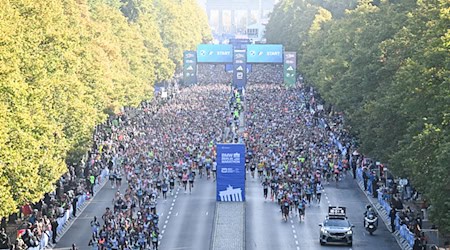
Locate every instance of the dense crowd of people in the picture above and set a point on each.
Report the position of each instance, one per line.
(260, 73)
(155, 152)
(212, 74)
(41, 218)
(266, 74)
(294, 145)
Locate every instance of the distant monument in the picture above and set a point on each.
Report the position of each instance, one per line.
(230, 16)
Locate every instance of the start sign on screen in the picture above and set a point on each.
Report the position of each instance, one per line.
(264, 53)
(214, 53)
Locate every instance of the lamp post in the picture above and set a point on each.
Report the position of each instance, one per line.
(385, 170)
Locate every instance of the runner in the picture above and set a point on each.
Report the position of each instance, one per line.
(265, 185)
(184, 179)
(191, 181)
(292, 143)
(301, 210)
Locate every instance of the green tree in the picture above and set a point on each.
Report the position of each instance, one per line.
(385, 64)
(64, 66)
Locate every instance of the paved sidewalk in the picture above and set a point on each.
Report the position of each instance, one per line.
(229, 226)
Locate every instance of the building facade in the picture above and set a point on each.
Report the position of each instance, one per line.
(236, 16)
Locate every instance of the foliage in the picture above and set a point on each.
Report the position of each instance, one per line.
(63, 65)
(386, 65)
(182, 25)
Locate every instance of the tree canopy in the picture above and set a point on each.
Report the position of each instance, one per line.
(385, 64)
(65, 65)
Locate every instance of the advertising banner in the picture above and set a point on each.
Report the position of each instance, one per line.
(190, 67)
(239, 68)
(265, 53)
(229, 68)
(290, 68)
(214, 53)
(230, 181)
(239, 43)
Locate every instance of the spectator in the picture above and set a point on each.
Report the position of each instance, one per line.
(4, 239)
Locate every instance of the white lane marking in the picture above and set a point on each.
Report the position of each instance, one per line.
(168, 217)
(294, 231)
(170, 212)
(206, 213)
(176, 195)
(292, 221)
(176, 214)
(171, 208)
(173, 203)
(166, 222)
(164, 226)
(296, 242)
(326, 197)
(292, 226)
(162, 232)
(295, 236)
(162, 214)
(298, 248)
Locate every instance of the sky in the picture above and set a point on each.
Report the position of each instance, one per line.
(202, 3)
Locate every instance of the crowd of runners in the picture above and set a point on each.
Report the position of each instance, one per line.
(295, 145)
(153, 153)
(259, 73)
(292, 143)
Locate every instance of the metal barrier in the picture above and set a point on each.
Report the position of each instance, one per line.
(45, 238)
(403, 230)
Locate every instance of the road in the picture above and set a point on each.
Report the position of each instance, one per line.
(266, 230)
(190, 224)
(186, 219)
(80, 231)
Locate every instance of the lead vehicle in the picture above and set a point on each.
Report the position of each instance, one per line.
(336, 228)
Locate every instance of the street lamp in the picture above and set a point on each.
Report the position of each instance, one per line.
(385, 170)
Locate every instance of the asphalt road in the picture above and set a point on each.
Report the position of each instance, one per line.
(186, 219)
(265, 228)
(191, 220)
(80, 231)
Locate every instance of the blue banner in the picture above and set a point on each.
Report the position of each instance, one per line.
(230, 181)
(214, 53)
(265, 53)
(239, 43)
(229, 68)
(239, 69)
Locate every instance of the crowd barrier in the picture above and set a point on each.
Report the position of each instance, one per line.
(45, 238)
(383, 198)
